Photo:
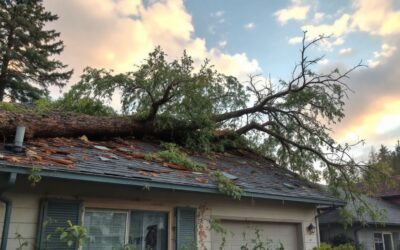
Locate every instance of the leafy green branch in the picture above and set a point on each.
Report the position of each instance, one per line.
(73, 234)
(226, 185)
(35, 176)
(172, 154)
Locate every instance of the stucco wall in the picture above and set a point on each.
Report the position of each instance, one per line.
(26, 201)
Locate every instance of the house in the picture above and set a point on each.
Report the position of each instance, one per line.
(121, 197)
(390, 193)
(367, 232)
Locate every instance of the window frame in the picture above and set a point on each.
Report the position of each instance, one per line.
(128, 219)
(382, 233)
(128, 216)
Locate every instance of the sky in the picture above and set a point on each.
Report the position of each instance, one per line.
(243, 37)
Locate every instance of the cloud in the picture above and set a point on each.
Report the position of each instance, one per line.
(373, 110)
(117, 34)
(295, 40)
(222, 44)
(383, 119)
(294, 12)
(249, 26)
(318, 17)
(380, 56)
(323, 61)
(376, 17)
(346, 51)
(338, 28)
(218, 13)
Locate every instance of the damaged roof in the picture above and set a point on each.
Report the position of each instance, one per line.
(122, 161)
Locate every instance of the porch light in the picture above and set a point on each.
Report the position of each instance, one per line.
(311, 228)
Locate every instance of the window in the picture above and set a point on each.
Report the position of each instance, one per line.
(383, 241)
(148, 230)
(106, 229)
(110, 230)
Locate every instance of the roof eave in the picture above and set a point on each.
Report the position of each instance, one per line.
(162, 185)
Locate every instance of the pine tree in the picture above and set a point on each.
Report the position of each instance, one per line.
(396, 158)
(27, 50)
(384, 154)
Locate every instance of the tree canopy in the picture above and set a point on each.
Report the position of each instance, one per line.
(288, 121)
(27, 50)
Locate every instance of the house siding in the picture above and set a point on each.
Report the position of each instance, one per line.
(364, 236)
(24, 218)
(26, 202)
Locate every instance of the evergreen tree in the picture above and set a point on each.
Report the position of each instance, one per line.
(384, 154)
(395, 163)
(27, 49)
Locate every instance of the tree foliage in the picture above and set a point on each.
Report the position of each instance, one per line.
(69, 103)
(385, 160)
(288, 121)
(385, 156)
(27, 49)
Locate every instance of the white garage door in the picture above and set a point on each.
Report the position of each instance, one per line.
(240, 233)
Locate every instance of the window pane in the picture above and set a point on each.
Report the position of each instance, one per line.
(378, 238)
(378, 246)
(148, 230)
(106, 229)
(388, 241)
(378, 241)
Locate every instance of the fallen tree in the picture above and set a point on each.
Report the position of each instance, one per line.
(289, 121)
(63, 124)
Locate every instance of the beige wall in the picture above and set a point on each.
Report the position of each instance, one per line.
(26, 205)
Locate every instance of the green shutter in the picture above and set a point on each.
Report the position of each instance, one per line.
(54, 214)
(185, 228)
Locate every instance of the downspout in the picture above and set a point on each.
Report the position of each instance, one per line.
(316, 213)
(7, 216)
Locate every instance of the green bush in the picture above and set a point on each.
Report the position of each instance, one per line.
(325, 246)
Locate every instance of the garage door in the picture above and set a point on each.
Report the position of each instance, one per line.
(240, 233)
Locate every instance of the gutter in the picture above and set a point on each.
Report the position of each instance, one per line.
(162, 185)
(7, 215)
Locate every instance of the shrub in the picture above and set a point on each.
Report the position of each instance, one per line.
(325, 246)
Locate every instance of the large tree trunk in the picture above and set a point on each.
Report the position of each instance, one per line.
(68, 124)
(55, 124)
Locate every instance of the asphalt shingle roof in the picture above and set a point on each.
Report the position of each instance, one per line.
(391, 213)
(123, 159)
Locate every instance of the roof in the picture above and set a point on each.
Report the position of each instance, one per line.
(386, 189)
(391, 213)
(121, 161)
(392, 189)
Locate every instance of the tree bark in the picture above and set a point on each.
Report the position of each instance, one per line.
(61, 124)
(68, 124)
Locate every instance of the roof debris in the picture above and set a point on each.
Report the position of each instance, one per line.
(84, 139)
(126, 158)
(101, 147)
(104, 158)
(229, 176)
